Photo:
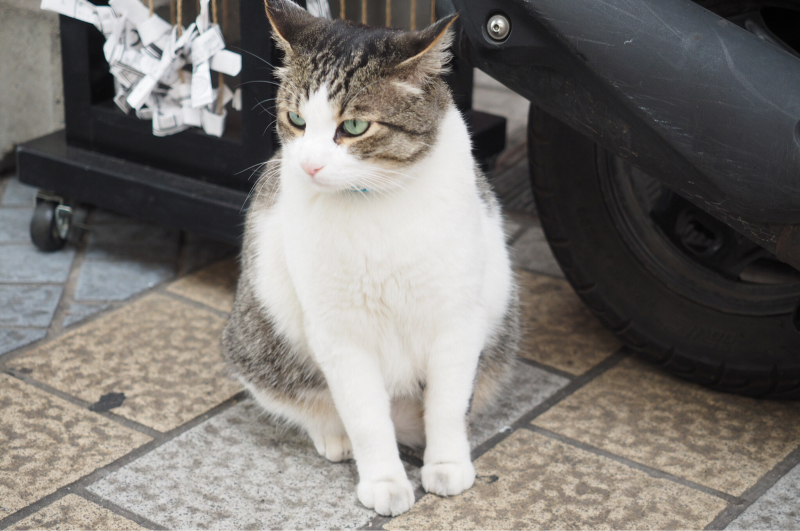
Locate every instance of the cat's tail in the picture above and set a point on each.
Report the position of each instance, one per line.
(409, 425)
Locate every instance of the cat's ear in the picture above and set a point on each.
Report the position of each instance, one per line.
(428, 50)
(288, 21)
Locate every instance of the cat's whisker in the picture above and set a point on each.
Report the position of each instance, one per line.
(263, 101)
(270, 125)
(253, 166)
(278, 84)
(254, 55)
(266, 180)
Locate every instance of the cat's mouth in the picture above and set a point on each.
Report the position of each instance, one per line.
(323, 184)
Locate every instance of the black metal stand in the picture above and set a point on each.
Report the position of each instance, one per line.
(190, 181)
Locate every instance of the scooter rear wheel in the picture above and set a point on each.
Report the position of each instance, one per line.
(674, 284)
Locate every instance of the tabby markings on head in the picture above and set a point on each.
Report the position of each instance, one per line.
(388, 77)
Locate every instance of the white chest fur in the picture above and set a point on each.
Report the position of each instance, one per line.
(386, 271)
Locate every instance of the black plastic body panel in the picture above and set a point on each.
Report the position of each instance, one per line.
(699, 103)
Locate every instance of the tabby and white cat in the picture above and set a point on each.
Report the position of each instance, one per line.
(376, 301)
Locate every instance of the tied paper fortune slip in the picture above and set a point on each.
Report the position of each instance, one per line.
(162, 73)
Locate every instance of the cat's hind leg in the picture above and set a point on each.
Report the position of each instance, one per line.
(316, 414)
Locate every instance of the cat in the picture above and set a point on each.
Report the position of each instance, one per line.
(376, 302)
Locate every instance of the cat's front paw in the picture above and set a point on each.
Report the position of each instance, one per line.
(448, 479)
(388, 497)
(334, 447)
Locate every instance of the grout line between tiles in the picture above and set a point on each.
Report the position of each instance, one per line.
(576, 382)
(34, 507)
(114, 508)
(128, 423)
(754, 493)
(131, 456)
(379, 521)
(552, 370)
(55, 334)
(573, 386)
(650, 471)
(191, 302)
(67, 297)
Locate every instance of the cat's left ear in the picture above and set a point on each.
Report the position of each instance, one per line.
(288, 21)
(428, 50)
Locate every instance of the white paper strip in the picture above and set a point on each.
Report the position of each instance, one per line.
(237, 100)
(202, 92)
(119, 99)
(227, 62)
(141, 92)
(213, 124)
(207, 44)
(153, 29)
(107, 20)
(146, 58)
(168, 120)
(79, 9)
(135, 10)
(202, 18)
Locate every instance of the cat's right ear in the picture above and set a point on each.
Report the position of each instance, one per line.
(288, 21)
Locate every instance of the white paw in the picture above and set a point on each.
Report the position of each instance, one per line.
(334, 447)
(388, 498)
(448, 479)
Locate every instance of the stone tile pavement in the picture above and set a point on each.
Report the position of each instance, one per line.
(116, 411)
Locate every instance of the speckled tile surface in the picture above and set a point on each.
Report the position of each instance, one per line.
(530, 481)
(14, 338)
(79, 311)
(18, 194)
(531, 252)
(28, 305)
(559, 330)
(14, 223)
(238, 471)
(213, 286)
(110, 280)
(46, 442)
(714, 439)
(162, 354)
(74, 512)
(529, 388)
(23, 263)
(778, 508)
(125, 257)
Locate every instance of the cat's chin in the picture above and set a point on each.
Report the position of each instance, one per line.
(328, 187)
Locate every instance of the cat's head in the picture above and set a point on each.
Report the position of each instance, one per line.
(356, 105)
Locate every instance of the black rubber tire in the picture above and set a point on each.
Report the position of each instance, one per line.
(756, 355)
(43, 227)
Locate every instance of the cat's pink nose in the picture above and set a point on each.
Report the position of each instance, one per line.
(311, 168)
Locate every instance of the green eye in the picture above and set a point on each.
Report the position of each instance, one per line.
(296, 120)
(355, 127)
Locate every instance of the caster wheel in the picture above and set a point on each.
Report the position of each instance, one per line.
(50, 225)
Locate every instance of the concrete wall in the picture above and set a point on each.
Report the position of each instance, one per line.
(31, 94)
